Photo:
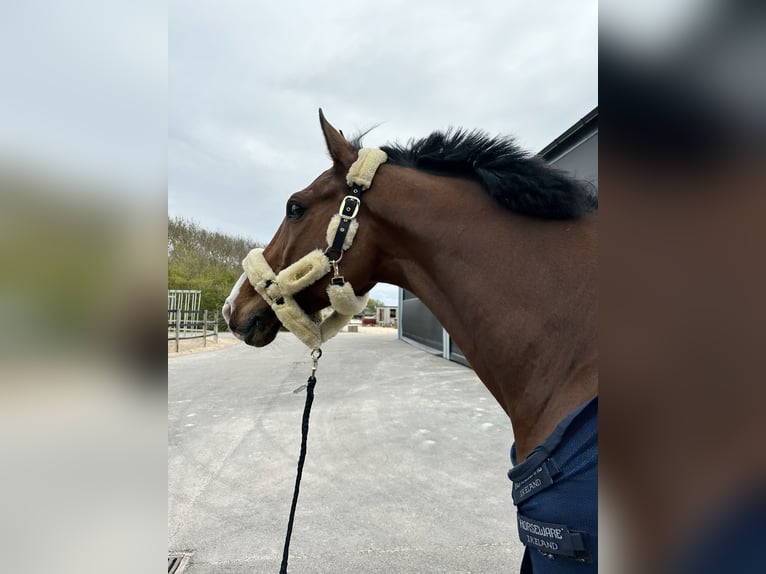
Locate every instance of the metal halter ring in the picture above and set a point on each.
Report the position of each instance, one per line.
(333, 262)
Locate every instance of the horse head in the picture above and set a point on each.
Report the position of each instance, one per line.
(305, 267)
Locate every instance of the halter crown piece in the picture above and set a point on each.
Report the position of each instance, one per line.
(279, 289)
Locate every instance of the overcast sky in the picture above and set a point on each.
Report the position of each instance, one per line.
(246, 79)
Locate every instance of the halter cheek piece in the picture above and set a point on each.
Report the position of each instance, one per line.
(278, 289)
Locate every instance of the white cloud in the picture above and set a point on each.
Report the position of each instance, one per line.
(246, 79)
(386, 292)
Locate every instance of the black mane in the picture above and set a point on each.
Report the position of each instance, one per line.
(519, 181)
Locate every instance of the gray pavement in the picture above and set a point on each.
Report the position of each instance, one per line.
(405, 471)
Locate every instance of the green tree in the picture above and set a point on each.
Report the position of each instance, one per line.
(372, 304)
(205, 260)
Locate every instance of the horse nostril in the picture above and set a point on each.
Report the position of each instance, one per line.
(226, 311)
(257, 319)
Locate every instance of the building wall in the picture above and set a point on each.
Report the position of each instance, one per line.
(418, 325)
(581, 161)
(387, 316)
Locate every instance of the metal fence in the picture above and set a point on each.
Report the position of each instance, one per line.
(187, 299)
(184, 324)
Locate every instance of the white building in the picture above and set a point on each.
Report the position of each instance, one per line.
(387, 316)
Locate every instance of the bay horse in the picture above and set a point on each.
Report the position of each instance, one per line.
(503, 249)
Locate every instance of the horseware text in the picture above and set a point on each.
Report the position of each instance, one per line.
(542, 530)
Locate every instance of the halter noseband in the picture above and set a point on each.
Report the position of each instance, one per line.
(278, 289)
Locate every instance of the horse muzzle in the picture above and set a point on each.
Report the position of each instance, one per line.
(249, 319)
(257, 328)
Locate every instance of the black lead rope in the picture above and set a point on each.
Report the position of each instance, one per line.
(315, 355)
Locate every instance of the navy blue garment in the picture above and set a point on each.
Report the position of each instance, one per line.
(556, 493)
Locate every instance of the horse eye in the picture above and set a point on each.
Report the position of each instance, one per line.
(294, 210)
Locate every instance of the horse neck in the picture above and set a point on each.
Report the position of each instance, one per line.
(516, 294)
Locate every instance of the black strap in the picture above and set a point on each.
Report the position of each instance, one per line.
(348, 210)
(301, 459)
(340, 236)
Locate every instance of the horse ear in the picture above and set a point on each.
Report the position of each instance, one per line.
(341, 152)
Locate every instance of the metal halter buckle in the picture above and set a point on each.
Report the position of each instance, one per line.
(347, 210)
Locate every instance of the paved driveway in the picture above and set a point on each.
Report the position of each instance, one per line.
(405, 471)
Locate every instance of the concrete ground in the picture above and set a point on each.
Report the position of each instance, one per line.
(405, 471)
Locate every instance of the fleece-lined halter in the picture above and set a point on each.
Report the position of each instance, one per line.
(279, 289)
